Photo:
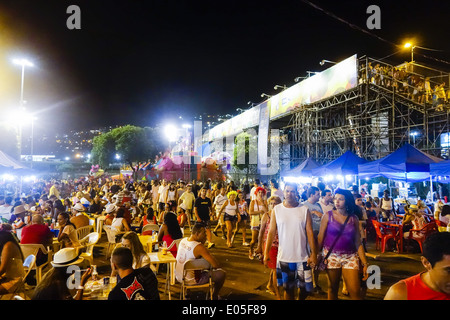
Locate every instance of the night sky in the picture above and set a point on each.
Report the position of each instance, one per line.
(146, 62)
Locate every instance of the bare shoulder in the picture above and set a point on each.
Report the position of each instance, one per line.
(397, 291)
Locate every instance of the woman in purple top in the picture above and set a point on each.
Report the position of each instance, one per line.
(348, 251)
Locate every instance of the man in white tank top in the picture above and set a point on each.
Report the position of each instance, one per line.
(295, 241)
(193, 248)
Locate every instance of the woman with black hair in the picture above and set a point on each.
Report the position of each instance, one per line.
(11, 262)
(67, 235)
(170, 231)
(340, 240)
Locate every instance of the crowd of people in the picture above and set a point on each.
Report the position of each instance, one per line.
(298, 232)
(416, 87)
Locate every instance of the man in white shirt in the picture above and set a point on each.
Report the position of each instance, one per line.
(193, 248)
(294, 261)
(5, 208)
(188, 199)
(162, 193)
(219, 200)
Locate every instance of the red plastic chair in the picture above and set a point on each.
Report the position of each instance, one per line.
(385, 233)
(423, 233)
(440, 223)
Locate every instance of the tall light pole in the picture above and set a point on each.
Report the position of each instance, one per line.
(23, 63)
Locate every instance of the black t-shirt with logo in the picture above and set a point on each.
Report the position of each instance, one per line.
(141, 284)
(203, 208)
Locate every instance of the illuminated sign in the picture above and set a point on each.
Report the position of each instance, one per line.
(334, 80)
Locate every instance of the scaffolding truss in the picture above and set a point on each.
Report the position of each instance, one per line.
(373, 119)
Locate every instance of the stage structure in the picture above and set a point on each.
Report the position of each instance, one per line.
(359, 104)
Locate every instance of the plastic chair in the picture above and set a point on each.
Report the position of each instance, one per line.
(84, 231)
(111, 239)
(28, 265)
(422, 234)
(150, 227)
(174, 243)
(384, 234)
(196, 265)
(33, 249)
(89, 242)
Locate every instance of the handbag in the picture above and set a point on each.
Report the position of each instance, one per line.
(322, 264)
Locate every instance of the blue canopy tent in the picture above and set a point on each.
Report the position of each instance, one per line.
(302, 170)
(346, 164)
(407, 164)
(441, 171)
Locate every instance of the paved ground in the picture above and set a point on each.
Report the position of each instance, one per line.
(247, 279)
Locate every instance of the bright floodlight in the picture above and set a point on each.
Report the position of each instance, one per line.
(23, 62)
(20, 117)
(170, 132)
(408, 45)
(186, 126)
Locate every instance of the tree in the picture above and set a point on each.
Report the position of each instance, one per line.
(132, 143)
(245, 152)
(103, 147)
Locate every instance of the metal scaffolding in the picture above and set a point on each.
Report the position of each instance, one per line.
(373, 119)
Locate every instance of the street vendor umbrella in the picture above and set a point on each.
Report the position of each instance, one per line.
(304, 169)
(346, 164)
(407, 164)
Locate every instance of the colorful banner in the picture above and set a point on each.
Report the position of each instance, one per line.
(334, 80)
(235, 125)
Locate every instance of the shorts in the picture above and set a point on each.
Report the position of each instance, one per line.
(342, 260)
(228, 217)
(161, 206)
(207, 223)
(292, 275)
(244, 217)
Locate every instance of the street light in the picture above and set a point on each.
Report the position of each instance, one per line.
(414, 134)
(324, 61)
(265, 95)
(278, 86)
(20, 118)
(413, 46)
(299, 78)
(23, 63)
(311, 72)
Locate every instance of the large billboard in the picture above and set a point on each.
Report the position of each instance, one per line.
(235, 125)
(334, 80)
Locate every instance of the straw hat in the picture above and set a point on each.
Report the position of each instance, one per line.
(78, 207)
(110, 208)
(413, 207)
(19, 209)
(66, 257)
